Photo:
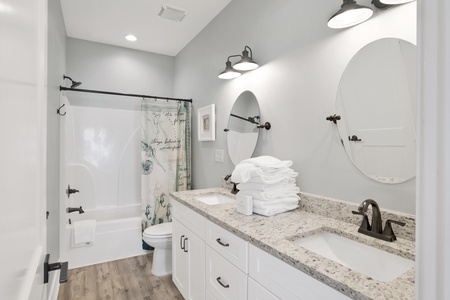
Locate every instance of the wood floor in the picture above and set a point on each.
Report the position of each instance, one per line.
(127, 279)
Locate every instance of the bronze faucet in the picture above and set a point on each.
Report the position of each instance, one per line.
(374, 229)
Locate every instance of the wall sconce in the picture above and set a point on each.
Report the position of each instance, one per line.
(351, 14)
(245, 64)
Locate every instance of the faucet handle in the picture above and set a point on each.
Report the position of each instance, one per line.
(395, 222)
(365, 222)
(388, 229)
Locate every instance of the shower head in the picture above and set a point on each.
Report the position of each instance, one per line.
(74, 83)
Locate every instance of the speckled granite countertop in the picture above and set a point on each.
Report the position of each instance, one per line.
(273, 235)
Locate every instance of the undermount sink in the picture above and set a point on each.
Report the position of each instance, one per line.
(370, 261)
(214, 199)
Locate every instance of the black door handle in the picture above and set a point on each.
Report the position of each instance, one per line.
(354, 138)
(181, 242)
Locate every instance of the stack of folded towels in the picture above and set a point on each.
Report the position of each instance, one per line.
(270, 182)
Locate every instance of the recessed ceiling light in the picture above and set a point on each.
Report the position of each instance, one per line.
(131, 38)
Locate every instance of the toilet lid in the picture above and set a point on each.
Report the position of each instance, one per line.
(160, 229)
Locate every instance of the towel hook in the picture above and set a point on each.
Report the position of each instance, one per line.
(58, 111)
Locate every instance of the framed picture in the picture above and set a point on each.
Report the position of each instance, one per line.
(206, 123)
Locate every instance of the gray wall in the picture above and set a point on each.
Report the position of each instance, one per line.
(55, 69)
(111, 68)
(301, 62)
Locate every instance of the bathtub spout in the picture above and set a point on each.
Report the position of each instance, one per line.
(73, 209)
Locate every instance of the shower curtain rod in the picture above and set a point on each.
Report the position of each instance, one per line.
(62, 88)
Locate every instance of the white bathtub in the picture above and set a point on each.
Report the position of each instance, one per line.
(118, 235)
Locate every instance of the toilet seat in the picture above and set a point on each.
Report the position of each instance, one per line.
(160, 230)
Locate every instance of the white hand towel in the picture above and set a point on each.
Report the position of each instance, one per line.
(266, 187)
(243, 172)
(271, 180)
(286, 202)
(273, 210)
(83, 232)
(276, 194)
(268, 162)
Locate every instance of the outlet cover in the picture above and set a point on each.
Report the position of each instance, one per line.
(219, 155)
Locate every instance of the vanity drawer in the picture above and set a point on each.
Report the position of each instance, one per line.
(192, 220)
(223, 280)
(257, 292)
(228, 245)
(285, 281)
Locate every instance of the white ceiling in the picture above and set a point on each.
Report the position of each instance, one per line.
(108, 21)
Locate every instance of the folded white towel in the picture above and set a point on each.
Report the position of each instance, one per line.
(275, 194)
(266, 187)
(273, 210)
(286, 202)
(271, 180)
(243, 172)
(83, 232)
(268, 162)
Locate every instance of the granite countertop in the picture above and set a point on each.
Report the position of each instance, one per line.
(274, 235)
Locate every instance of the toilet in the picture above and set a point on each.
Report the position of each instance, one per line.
(160, 237)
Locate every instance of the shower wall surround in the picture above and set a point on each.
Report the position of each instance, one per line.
(302, 61)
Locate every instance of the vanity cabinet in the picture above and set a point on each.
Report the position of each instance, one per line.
(212, 263)
(188, 252)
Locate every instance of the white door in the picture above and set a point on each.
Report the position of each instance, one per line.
(22, 148)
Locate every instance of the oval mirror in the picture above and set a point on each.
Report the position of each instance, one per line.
(242, 134)
(376, 101)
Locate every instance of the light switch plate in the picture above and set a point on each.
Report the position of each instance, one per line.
(219, 155)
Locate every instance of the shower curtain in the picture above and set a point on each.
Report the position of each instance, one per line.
(165, 157)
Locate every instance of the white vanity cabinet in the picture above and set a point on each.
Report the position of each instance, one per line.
(188, 252)
(212, 263)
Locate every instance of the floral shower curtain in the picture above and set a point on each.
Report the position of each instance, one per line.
(165, 156)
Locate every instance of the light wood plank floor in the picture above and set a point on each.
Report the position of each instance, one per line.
(125, 279)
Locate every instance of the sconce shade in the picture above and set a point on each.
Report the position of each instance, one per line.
(349, 14)
(229, 72)
(395, 2)
(246, 63)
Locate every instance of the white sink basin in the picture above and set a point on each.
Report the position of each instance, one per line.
(214, 199)
(370, 261)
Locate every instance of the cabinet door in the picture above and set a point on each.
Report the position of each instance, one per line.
(188, 262)
(180, 266)
(195, 248)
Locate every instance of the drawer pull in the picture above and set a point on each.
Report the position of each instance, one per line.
(184, 245)
(220, 242)
(181, 242)
(224, 285)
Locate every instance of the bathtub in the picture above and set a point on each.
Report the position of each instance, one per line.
(118, 235)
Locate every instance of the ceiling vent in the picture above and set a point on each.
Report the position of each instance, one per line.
(172, 13)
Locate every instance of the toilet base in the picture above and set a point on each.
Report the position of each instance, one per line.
(162, 262)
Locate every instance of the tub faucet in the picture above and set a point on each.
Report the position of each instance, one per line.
(374, 229)
(73, 209)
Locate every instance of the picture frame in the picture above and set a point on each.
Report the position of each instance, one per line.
(206, 123)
